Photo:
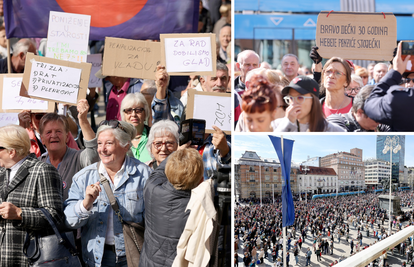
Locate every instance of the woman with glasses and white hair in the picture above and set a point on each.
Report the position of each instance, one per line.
(162, 141)
(88, 205)
(304, 113)
(135, 110)
(356, 85)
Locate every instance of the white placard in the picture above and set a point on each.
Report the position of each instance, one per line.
(11, 96)
(216, 110)
(68, 36)
(55, 82)
(96, 61)
(9, 118)
(188, 54)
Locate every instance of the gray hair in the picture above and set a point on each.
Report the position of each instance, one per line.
(359, 99)
(132, 100)
(242, 55)
(357, 79)
(22, 45)
(161, 128)
(124, 136)
(291, 55)
(219, 66)
(151, 86)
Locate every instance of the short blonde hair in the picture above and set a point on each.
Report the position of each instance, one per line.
(184, 169)
(15, 137)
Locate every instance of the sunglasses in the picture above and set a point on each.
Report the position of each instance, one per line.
(113, 124)
(258, 99)
(130, 110)
(407, 80)
(2, 147)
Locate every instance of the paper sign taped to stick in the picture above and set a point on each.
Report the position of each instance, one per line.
(96, 61)
(356, 35)
(215, 108)
(11, 101)
(187, 54)
(68, 36)
(131, 58)
(57, 80)
(9, 118)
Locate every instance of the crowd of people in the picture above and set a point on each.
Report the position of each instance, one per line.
(336, 97)
(64, 163)
(322, 223)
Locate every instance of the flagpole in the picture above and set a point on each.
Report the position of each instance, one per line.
(260, 179)
(8, 57)
(284, 228)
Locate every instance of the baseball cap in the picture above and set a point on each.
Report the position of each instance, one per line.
(303, 85)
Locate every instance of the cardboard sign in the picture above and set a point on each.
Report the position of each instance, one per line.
(356, 35)
(96, 61)
(188, 54)
(131, 58)
(68, 36)
(215, 108)
(9, 118)
(11, 101)
(59, 85)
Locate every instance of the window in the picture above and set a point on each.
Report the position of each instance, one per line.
(251, 169)
(267, 177)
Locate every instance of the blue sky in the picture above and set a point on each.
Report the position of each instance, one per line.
(316, 146)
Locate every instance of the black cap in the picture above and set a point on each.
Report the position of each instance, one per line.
(303, 85)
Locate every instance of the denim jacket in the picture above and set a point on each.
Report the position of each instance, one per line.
(129, 194)
(168, 108)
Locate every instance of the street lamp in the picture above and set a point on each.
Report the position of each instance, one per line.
(306, 169)
(393, 145)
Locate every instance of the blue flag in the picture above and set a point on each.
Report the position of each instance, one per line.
(288, 209)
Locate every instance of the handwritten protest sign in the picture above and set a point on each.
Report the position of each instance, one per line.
(96, 61)
(215, 108)
(356, 35)
(187, 54)
(11, 101)
(9, 118)
(68, 36)
(131, 58)
(52, 79)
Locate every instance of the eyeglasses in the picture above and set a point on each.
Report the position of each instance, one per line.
(356, 89)
(113, 123)
(39, 116)
(168, 144)
(336, 72)
(137, 110)
(298, 99)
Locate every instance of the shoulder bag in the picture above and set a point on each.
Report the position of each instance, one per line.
(133, 232)
(52, 250)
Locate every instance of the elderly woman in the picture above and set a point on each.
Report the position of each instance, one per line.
(54, 133)
(26, 184)
(355, 86)
(88, 205)
(336, 76)
(134, 109)
(166, 197)
(363, 73)
(162, 141)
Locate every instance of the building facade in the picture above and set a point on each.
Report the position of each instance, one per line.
(257, 177)
(349, 167)
(397, 158)
(317, 180)
(315, 162)
(375, 172)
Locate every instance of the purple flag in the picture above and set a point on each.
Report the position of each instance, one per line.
(130, 19)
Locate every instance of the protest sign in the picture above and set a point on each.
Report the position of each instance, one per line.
(188, 54)
(214, 108)
(356, 35)
(11, 101)
(57, 80)
(131, 58)
(96, 61)
(9, 118)
(68, 36)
